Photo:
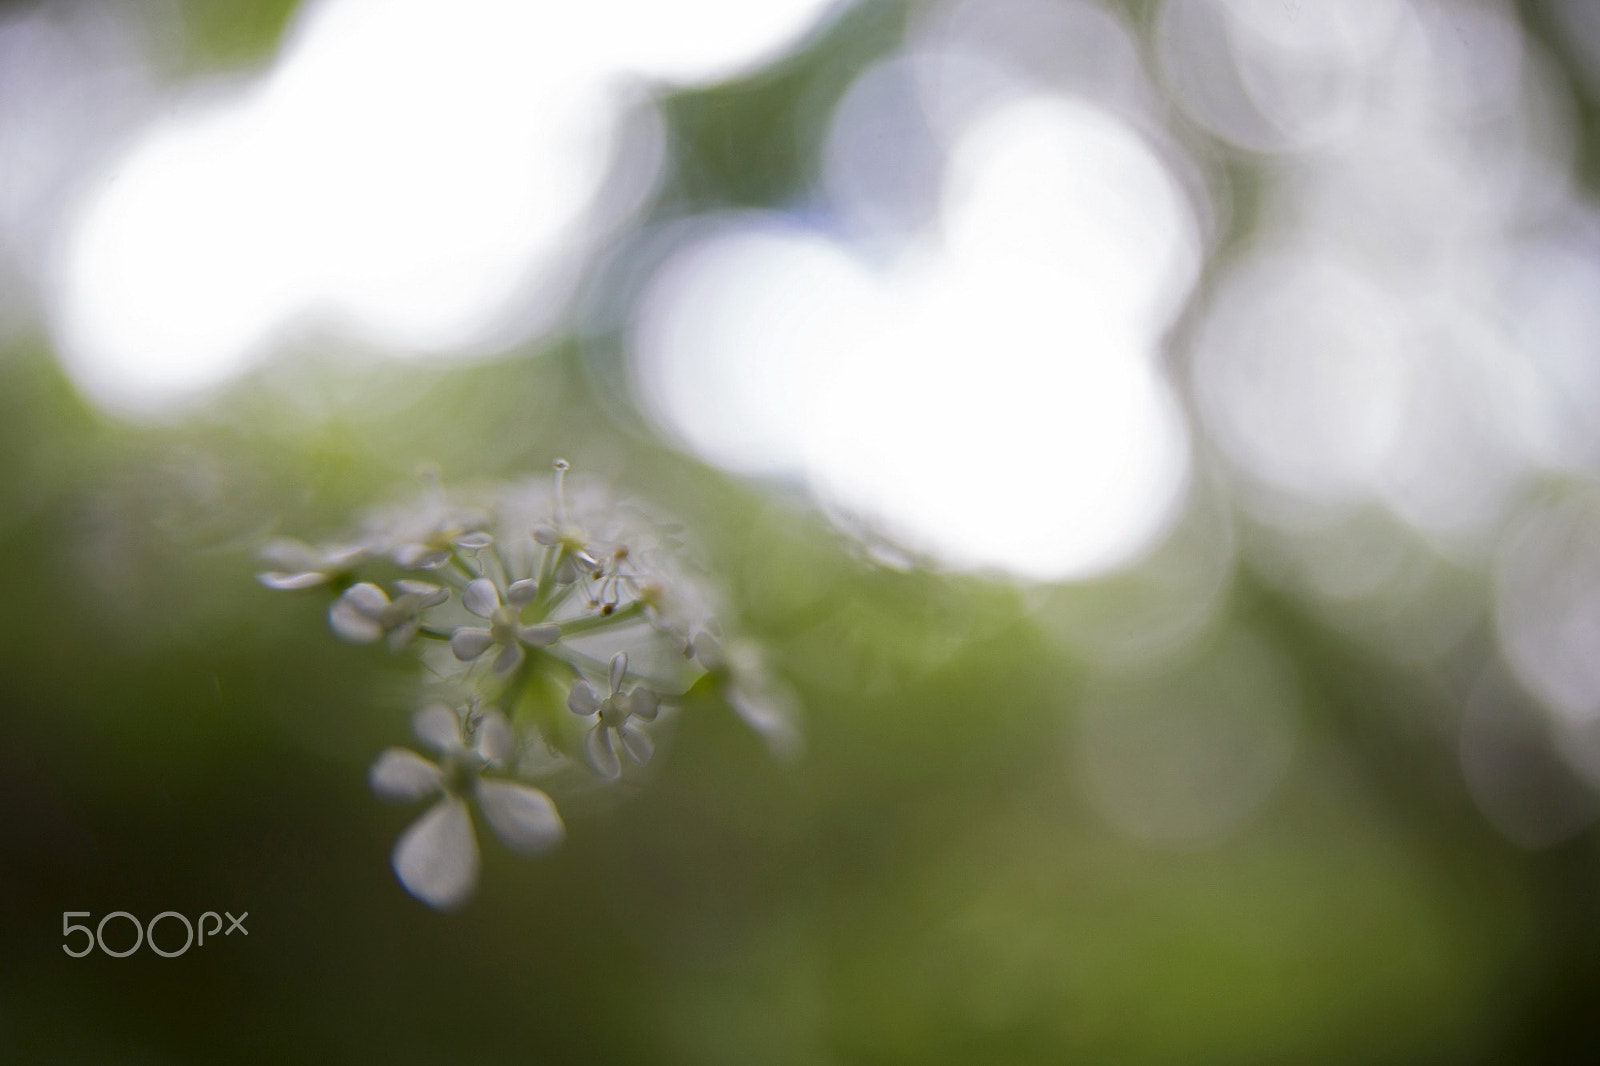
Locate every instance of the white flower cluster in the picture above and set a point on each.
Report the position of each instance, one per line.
(558, 626)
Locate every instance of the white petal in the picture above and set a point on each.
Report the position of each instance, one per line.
(342, 556)
(509, 659)
(480, 597)
(582, 700)
(474, 541)
(546, 536)
(638, 746)
(597, 749)
(619, 670)
(523, 817)
(642, 703)
(288, 554)
(409, 556)
(438, 724)
(469, 643)
(419, 557)
(278, 579)
(400, 774)
(367, 598)
(707, 650)
(540, 635)
(522, 591)
(350, 624)
(403, 634)
(497, 741)
(436, 859)
(428, 595)
(567, 572)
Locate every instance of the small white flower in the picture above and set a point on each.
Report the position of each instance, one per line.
(482, 598)
(436, 858)
(565, 534)
(421, 535)
(433, 551)
(364, 612)
(678, 603)
(297, 565)
(613, 715)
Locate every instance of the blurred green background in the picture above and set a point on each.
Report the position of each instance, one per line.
(932, 882)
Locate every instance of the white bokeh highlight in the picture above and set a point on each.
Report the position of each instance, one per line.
(1405, 331)
(1299, 369)
(991, 394)
(416, 176)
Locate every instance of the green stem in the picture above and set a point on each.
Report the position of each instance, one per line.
(500, 564)
(557, 598)
(540, 604)
(580, 626)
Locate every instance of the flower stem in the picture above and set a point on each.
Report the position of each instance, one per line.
(623, 615)
(461, 565)
(553, 557)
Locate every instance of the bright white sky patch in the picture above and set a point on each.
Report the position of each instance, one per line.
(418, 174)
(994, 397)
